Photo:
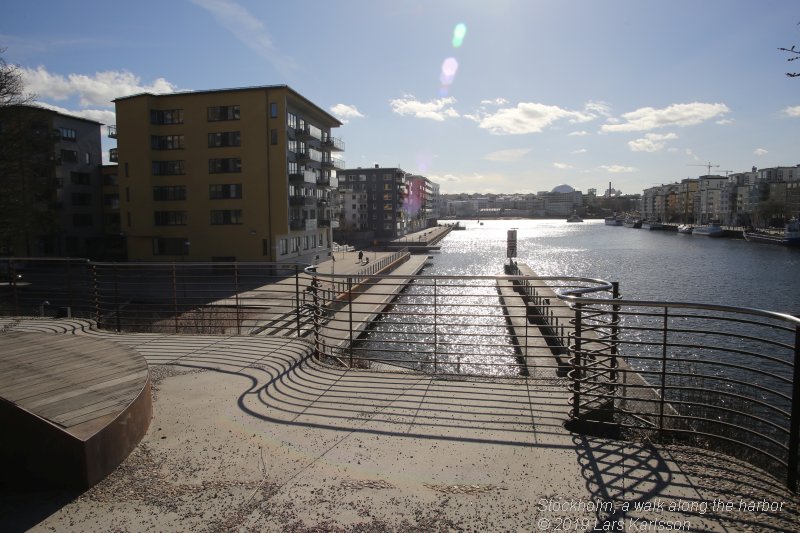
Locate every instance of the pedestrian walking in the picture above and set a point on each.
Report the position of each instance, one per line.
(360, 256)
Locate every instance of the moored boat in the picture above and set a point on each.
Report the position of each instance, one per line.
(652, 225)
(613, 220)
(712, 229)
(574, 218)
(789, 237)
(686, 229)
(632, 222)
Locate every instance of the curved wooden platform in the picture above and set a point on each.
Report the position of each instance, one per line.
(71, 408)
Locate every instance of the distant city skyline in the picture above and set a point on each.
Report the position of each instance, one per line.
(512, 96)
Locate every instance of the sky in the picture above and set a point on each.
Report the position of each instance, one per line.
(507, 96)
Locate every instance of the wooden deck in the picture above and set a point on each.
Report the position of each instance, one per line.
(73, 399)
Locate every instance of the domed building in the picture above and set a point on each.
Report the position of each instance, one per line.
(563, 200)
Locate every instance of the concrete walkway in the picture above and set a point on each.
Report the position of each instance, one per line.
(251, 434)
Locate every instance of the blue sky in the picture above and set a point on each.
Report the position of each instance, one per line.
(535, 94)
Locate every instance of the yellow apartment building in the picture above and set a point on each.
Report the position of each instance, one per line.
(241, 174)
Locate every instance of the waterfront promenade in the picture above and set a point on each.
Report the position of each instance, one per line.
(250, 433)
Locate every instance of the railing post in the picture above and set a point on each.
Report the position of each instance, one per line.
(435, 328)
(297, 296)
(794, 423)
(116, 298)
(236, 292)
(13, 275)
(96, 287)
(662, 401)
(577, 363)
(175, 296)
(350, 315)
(614, 332)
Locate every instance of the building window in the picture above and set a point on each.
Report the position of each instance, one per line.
(223, 112)
(69, 156)
(221, 191)
(81, 198)
(82, 219)
(80, 178)
(265, 247)
(87, 159)
(170, 218)
(273, 136)
(273, 110)
(169, 193)
(168, 168)
(291, 120)
(225, 217)
(111, 201)
(219, 166)
(166, 116)
(170, 246)
(68, 134)
(225, 138)
(167, 142)
(284, 246)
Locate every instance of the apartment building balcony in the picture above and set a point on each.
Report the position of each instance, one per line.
(324, 222)
(303, 224)
(112, 131)
(113, 156)
(333, 144)
(331, 163)
(301, 157)
(299, 200)
(303, 177)
(302, 134)
(324, 181)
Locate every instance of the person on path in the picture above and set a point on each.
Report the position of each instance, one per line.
(360, 256)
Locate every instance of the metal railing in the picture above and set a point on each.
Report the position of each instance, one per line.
(711, 375)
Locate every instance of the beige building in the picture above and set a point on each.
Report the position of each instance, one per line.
(234, 174)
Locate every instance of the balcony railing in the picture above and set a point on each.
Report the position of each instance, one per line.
(300, 200)
(112, 131)
(333, 163)
(333, 144)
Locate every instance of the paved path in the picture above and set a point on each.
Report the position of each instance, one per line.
(251, 434)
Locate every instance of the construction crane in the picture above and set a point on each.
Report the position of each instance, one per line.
(708, 165)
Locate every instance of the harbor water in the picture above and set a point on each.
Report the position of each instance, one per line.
(649, 265)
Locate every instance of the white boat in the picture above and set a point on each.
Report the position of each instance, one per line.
(686, 229)
(613, 220)
(710, 230)
(574, 218)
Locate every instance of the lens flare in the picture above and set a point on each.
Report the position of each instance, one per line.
(458, 34)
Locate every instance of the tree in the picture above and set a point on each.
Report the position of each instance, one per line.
(12, 86)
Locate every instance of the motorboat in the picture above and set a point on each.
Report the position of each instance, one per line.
(632, 222)
(613, 220)
(712, 229)
(686, 229)
(574, 218)
(789, 237)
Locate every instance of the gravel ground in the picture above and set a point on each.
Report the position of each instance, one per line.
(207, 465)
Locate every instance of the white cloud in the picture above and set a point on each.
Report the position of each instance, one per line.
(792, 111)
(344, 112)
(249, 30)
(580, 151)
(760, 151)
(598, 108)
(617, 169)
(648, 118)
(562, 165)
(512, 154)
(652, 142)
(438, 109)
(581, 133)
(529, 117)
(725, 121)
(103, 116)
(496, 101)
(97, 90)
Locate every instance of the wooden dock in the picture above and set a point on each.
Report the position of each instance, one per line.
(72, 407)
